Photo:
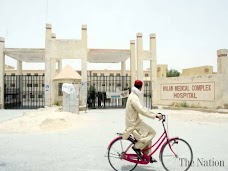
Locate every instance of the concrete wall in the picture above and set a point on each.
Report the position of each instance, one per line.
(161, 71)
(203, 70)
(209, 91)
(222, 62)
(193, 91)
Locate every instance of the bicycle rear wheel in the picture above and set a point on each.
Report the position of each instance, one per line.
(182, 161)
(115, 152)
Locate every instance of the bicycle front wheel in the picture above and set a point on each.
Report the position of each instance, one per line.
(115, 152)
(183, 158)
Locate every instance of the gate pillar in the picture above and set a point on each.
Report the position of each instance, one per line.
(153, 65)
(84, 66)
(19, 67)
(133, 62)
(139, 42)
(2, 71)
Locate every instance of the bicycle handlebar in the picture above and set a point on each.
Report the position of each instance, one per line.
(163, 117)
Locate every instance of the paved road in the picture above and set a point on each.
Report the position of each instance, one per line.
(83, 148)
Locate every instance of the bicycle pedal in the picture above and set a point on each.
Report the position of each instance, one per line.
(152, 160)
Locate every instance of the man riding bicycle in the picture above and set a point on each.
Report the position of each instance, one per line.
(142, 132)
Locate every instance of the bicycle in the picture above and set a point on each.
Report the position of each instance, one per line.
(121, 150)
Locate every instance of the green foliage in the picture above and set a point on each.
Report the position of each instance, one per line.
(58, 103)
(172, 73)
(184, 104)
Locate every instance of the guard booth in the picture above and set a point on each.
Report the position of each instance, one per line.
(67, 75)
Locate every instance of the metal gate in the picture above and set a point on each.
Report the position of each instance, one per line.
(24, 91)
(147, 97)
(98, 86)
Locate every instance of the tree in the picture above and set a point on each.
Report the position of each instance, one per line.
(172, 73)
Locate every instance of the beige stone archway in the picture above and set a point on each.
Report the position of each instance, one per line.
(58, 49)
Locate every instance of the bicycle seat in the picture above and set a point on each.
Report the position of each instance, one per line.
(131, 137)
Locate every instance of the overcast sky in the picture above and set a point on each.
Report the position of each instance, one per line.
(189, 32)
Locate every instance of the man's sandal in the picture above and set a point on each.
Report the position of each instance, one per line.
(152, 160)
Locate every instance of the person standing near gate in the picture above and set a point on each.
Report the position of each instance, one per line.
(104, 98)
(92, 92)
(142, 132)
(99, 95)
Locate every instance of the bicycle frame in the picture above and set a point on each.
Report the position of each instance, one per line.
(162, 138)
(146, 158)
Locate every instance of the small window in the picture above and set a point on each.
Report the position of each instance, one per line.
(35, 85)
(42, 85)
(29, 85)
(118, 74)
(12, 85)
(28, 74)
(94, 74)
(5, 85)
(13, 74)
(112, 74)
(146, 75)
(127, 74)
(102, 74)
(40, 96)
(118, 85)
(60, 93)
(36, 74)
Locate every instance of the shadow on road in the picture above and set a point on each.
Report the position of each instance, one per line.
(146, 168)
(141, 168)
